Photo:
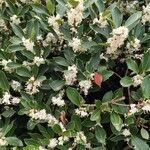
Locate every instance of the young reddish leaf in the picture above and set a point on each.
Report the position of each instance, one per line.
(98, 78)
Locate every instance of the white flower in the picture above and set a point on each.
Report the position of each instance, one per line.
(133, 45)
(58, 101)
(76, 45)
(42, 148)
(15, 20)
(3, 141)
(28, 44)
(137, 80)
(53, 21)
(102, 21)
(32, 85)
(2, 24)
(80, 138)
(115, 42)
(38, 61)
(81, 112)
(62, 139)
(6, 98)
(71, 75)
(53, 143)
(126, 132)
(75, 15)
(146, 107)
(15, 100)
(35, 114)
(133, 109)
(5, 63)
(15, 85)
(49, 38)
(85, 85)
(146, 14)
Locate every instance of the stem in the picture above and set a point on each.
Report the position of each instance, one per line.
(129, 96)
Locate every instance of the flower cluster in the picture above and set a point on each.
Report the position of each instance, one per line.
(82, 112)
(85, 85)
(146, 14)
(137, 80)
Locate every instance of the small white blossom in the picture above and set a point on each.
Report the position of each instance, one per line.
(2, 24)
(58, 100)
(85, 85)
(115, 42)
(137, 80)
(15, 100)
(146, 14)
(15, 20)
(49, 38)
(75, 15)
(146, 106)
(80, 138)
(133, 109)
(15, 85)
(126, 132)
(6, 98)
(76, 45)
(38, 61)
(3, 141)
(82, 112)
(53, 143)
(62, 139)
(70, 75)
(42, 148)
(133, 46)
(102, 21)
(28, 44)
(5, 65)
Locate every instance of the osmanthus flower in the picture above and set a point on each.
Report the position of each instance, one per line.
(38, 60)
(42, 148)
(15, 20)
(137, 80)
(117, 40)
(53, 143)
(4, 63)
(58, 99)
(146, 106)
(70, 75)
(85, 85)
(3, 141)
(15, 85)
(146, 14)
(102, 20)
(28, 44)
(82, 112)
(80, 138)
(133, 109)
(8, 99)
(75, 15)
(126, 132)
(3, 24)
(76, 45)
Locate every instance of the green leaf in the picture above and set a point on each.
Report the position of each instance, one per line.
(95, 115)
(126, 81)
(100, 135)
(61, 61)
(57, 84)
(57, 129)
(17, 30)
(24, 72)
(74, 96)
(117, 17)
(146, 62)
(107, 97)
(50, 6)
(144, 133)
(146, 87)
(4, 84)
(31, 147)
(132, 65)
(14, 141)
(100, 5)
(139, 144)
(133, 19)
(116, 121)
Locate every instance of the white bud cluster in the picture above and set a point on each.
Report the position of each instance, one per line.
(15, 85)
(146, 14)
(133, 109)
(117, 40)
(3, 141)
(49, 38)
(58, 100)
(15, 20)
(42, 148)
(28, 44)
(126, 132)
(38, 61)
(80, 138)
(102, 20)
(70, 75)
(146, 106)
(4, 63)
(32, 85)
(137, 80)
(85, 85)
(8, 99)
(75, 15)
(133, 46)
(76, 45)
(2, 24)
(82, 112)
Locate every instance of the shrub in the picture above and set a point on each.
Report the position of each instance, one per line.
(74, 74)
